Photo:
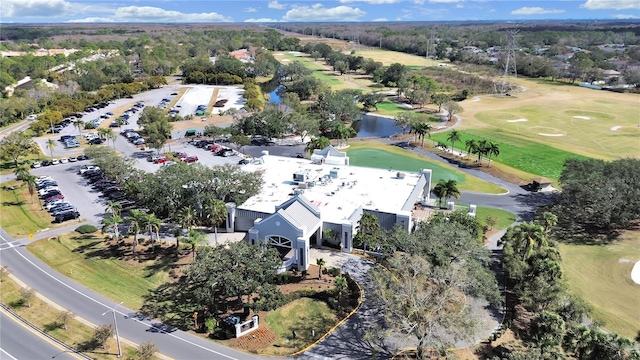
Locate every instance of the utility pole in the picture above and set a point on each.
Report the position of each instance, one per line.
(510, 63)
(115, 324)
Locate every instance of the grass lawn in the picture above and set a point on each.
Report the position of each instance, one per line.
(519, 153)
(601, 275)
(302, 316)
(504, 218)
(378, 155)
(46, 318)
(21, 217)
(90, 262)
(388, 57)
(390, 108)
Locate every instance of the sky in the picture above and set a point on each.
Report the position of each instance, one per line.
(262, 11)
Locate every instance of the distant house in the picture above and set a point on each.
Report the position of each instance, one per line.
(243, 55)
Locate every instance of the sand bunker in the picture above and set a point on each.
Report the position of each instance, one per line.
(278, 54)
(545, 134)
(285, 60)
(517, 120)
(582, 117)
(615, 128)
(635, 273)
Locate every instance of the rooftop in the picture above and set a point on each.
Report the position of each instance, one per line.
(335, 197)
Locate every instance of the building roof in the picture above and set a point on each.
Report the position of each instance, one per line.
(299, 216)
(335, 198)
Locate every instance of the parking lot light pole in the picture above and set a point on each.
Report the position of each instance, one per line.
(115, 324)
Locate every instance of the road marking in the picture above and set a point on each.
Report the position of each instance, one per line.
(6, 245)
(9, 355)
(117, 311)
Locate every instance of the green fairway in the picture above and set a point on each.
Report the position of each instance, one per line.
(504, 218)
(601, 275)
(519, 153)
(319, 72)
(382, 156)
(91, 263)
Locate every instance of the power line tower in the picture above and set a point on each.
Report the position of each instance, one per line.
(510, 61)
(431, 42)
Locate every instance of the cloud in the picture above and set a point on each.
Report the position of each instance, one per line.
(418, 2)
(276, 5)
(318, 12)
(262, 20)
(34, 8)
(444, 1)
(380, 20)
(155, 14)
(91, 20)
(372, 2)
(535, 11)
(625, 16)
(250, 10)
(611, 5)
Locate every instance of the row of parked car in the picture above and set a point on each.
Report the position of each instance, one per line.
(163, 160)
(132, 136)
(59, 126)
(214, 147)
(64, 160)
(54, 201)
(109, 187)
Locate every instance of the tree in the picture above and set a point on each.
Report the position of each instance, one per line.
(17, 144)
(450, 189)
(526, 238)
(30, 181)
(341, 286)
(318, 143)
(187, 217)
(453, 137)
(439, 191)
(404, 120)
(79, 124)
(320, 262)
(304, 125)
(102, 334)
(424, 301)
(63, 318)
(440, 99)
(51, 145)
(113, 208)
(152, 224)
(421, 129)
(368, 231)
(240, 141)
(146, 351)
(550, 220)
(547, 330)
(371, 101)
(195, 238)
(112, 222)
(111, 135)
(471, 146)
(452, 108)
(343, 133)
(215, 212)
(136, 220)
(491, 149)
(22, 172)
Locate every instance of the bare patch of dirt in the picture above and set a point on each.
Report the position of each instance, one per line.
(254, 341)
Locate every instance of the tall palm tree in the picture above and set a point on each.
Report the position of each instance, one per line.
(136, 220)
(79, 124)
(187, 217)
(111, 135)
(422, 129)
(195, 238)
(450, 189)
(215, 212)
(112, 222)
(320, 262)
(318, 143)
(30, 180)
(102, 132)
(21, 172)
(492, 149)
(341, 286)
(439, 191)
(527, 238)
(550, 220)
(453, 137)
(51, 145)
(481, 150)
(113, 208)
(471, 146)
(152, 224)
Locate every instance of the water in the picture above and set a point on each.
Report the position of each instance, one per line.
(375, 126)
(274, 98)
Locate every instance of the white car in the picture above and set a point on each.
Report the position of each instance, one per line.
(36, 164)
(47, 189)
(43, 178)
(90, 136)
(73, 159)
(64, 160)
(54, 203)
(87, 168)
(55, 161)
(32, 117)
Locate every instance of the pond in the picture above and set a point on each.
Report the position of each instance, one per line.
(274, 98)
(375, 126)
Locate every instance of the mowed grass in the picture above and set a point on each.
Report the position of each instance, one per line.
(302, 316)
(601, 275)
(598, 124)
(20, 216)
(388, 57)
(383, 156)
(522, 154)
(88, 261)
(504, 218)
(390, 108)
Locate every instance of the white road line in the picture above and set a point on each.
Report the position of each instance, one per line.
(117, 311)
(6, 353)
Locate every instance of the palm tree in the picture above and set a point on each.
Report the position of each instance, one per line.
(451, 189)
(454, 137)
(422, 129)
(341, 286)
(111, 135)
(318, 143)
(187, 217)
(113, 208)
(550, 220)
(136, 220)
(215, 212)
(195, 238)
(79, 124)
(152, 223)
(51, 145)
(30, 180)
(112, 222)
(481, 150)
(21, 172)
(439, 191)
(527, 238)
(492, 149)
(320, 262)
(102, 132)
(471, 146)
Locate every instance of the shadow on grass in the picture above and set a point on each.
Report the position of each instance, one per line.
(12, 203)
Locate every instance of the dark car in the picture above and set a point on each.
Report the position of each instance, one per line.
(243, 162)
(64, 138)
(50, 194)
(67, 215)
(96, 141)
(82, 157)
(190, 159)
(46, 163)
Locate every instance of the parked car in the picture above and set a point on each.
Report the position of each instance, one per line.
(96, 141)
(64, 160)
(46, 163)
(138, 141)
(73, 159)
(50, 194)
(82, 158)
(190, 159)
(161, 160)
(180, 155)
(67, 215)
(86, 168)
(36, 164)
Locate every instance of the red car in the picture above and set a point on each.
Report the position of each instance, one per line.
(180, 155)
(190, 159)
(214, 147)
(162, 160)
(54, 197)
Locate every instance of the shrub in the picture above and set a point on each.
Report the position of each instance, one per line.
(334, 271)
(86, 229)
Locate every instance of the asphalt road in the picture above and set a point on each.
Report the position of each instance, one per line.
(90, 306)
(19, 342)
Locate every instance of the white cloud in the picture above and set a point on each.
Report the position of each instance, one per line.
(261, 20)
(535, 11)
(250, 10)
(91, 20)
(155, 14)
(276, 5)
(380, 19)
(625, 16)
(445, 1)
(318, 12)
(611, 5)
(373, 2)
(34, 8)
(418, 2)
